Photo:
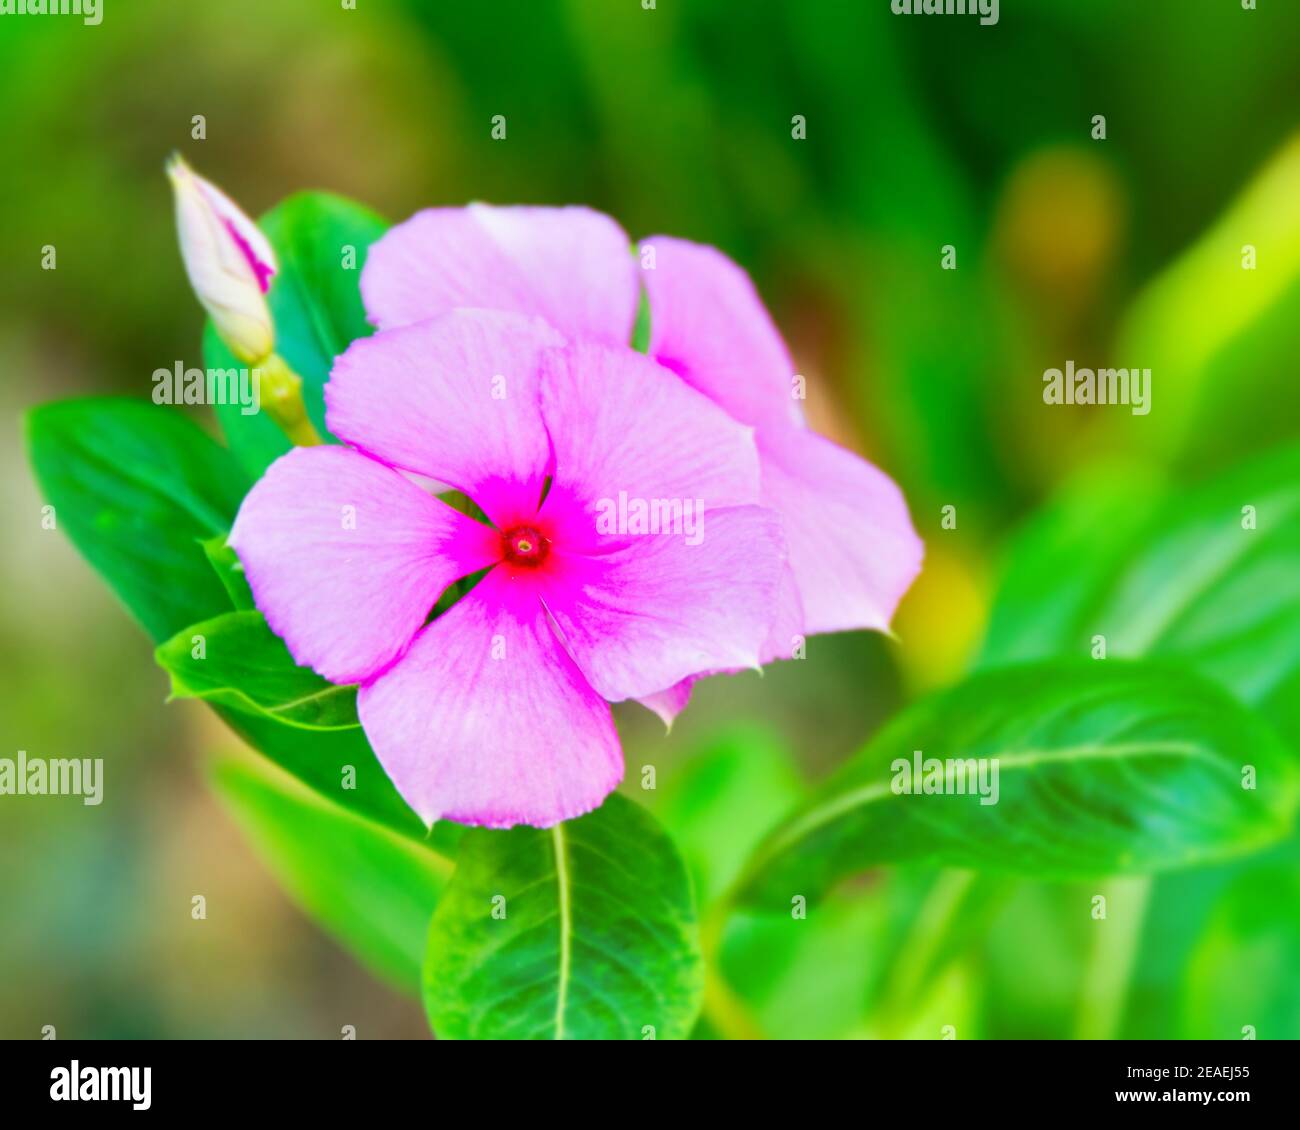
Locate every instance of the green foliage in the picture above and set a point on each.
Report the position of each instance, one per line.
(305, 724)
(1215, 329)
(371, 889)
(237, 661)
(230, 572)
(1191, 577)
(582, 931)
(1242, 966)
(1060, 566)
(1103, 768)
(1208, 577)
(339, 764)
(641, 329)
(808, 978)
(719, 806)
(138, 488)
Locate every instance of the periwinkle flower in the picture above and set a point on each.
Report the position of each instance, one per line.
(501, 368)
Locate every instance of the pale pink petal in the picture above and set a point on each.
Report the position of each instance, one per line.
(708, 324)
(455, 399)
(486, 720)
(248, 237)
(670, 702)
(571, 266)
(786, 634)
(345, 557)
(851, 542)
(644, 617)
(627, 433)
(789, 630)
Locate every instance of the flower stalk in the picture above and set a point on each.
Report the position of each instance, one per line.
(281, 392)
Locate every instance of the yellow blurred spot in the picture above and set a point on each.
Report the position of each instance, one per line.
(1058, 228)
(942, 619)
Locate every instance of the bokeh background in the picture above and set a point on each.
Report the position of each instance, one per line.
(920, 132)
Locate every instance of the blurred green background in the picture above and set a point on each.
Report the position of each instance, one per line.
(920, 132)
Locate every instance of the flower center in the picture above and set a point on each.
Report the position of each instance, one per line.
(524, 545)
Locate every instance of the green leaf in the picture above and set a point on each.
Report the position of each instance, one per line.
(305, 724)
(1242, 972)
(806, 978)
(338, 764)
(1183, 579)
(373, 890)
(864, 962)
(1103, 768)
(138, 487)
(1035, 958)
(1194, 583)
(237, 661)
(1209, 330)
(315, 299)
(727, 796)
(594, 934)
(225, 563)
(1063, 563)
(641, 327)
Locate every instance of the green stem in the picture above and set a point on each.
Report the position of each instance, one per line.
(726, 1013)
(917, 952)
(281, 392)
(1106, 979)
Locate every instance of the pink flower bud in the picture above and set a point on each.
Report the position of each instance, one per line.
(228, 260)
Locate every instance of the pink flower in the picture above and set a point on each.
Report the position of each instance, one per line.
(501, 368)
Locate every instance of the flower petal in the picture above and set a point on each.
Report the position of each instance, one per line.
(789, 628)
(646, 616)
(626, 432)
(571, 266)
(486, 720)
(708, 325)
(248, 237)
(670, 702)
(785, 635)
(345, 557)
(851, 542)
(455, 399)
